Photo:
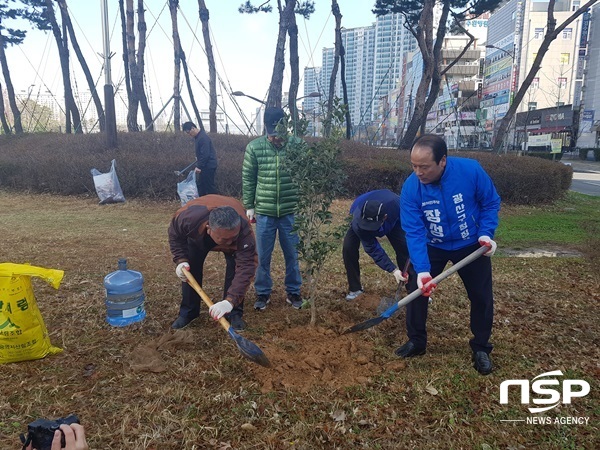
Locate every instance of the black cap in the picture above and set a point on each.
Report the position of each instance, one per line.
(370, 217)
(273, 116)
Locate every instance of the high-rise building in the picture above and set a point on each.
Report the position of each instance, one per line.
(374, 58)
(515, 33)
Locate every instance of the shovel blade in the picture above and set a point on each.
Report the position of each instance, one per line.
(249, 349)
(364, 325)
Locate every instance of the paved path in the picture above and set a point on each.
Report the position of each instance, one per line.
(586, 176)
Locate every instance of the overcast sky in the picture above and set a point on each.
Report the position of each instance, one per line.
(244, 47)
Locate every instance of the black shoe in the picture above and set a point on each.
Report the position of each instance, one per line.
(295, 300)
(409, 350)
(237, 323)
(261, 302)
(482, 363)
(181, 322)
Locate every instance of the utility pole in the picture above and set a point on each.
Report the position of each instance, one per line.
(109, 94)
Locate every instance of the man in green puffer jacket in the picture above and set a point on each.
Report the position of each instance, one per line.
(270, 197)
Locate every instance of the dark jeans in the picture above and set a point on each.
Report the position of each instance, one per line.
(351, 256)
(477, 279)
(190, 303)
(205, 182)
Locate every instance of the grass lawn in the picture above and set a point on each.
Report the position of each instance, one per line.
(145, 387)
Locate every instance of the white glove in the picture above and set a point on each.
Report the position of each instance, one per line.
(399, 277)
(218, 310)
(485, 240)
(422, 279)
(179, 271)
(250, 214)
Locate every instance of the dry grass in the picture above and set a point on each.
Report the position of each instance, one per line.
(546, 319)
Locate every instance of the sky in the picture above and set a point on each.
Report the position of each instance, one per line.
(243, 45)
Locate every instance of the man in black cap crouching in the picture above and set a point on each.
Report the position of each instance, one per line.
(375, 214)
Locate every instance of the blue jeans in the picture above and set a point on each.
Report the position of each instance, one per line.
(266, 231)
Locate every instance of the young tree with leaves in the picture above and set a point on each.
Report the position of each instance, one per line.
(552, 32)
(317, 172)
(418, 20)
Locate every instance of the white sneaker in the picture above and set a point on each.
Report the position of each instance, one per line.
(353, 294)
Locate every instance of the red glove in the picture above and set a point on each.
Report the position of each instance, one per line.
(423, 282)
(489, 243)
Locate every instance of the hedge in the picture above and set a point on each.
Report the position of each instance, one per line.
(146, 162)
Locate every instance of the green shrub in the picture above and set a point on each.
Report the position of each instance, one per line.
(146, 162)
(597, 154)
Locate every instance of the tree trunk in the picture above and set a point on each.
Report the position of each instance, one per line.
(335, 9)
(147, 114)
(125, 46)
(552, 31)
(276, 85)
(190, 92)
(136, 68)
(345, 92)
(10, 91)
(66, 19)
(5, 125)
(173, 4)
(71, 111)
(133, 99)
(294, 67)
(212, 73)
(424, 37)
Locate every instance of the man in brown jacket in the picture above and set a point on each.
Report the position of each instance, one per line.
(213, 223)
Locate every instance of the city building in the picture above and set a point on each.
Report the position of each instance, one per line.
(515, 33)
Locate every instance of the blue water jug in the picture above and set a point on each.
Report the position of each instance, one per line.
(124, 296)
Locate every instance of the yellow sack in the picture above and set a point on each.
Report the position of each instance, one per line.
(23, 335)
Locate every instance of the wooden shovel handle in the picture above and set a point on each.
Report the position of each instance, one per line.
(192, 281)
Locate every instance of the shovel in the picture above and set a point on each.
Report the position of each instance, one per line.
(247, 348)
(416, 293)
(386, 302)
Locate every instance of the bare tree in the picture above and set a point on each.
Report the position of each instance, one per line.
(338, 54)
(136, 67)
(5, 126)
(419, 21)
(287, 25)
(10, 90)
(294, 68)
(66, 20)
(212, 73)
(173, 5)
(190, 91)
(72, 116)
(552, 32)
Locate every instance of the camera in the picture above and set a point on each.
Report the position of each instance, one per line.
(41, 432)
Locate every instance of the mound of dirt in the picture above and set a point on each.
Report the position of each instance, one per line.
(304, 356)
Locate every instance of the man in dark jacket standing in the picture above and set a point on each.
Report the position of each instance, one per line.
(269, 196)
(213, 223)
(375, 214)
(449, 208)
(206, 159)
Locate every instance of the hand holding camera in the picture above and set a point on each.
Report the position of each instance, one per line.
(64, 433)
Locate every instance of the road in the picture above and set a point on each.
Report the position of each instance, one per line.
(586, 183)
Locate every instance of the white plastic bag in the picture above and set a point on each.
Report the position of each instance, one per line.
(107, 186)
(187, 189)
